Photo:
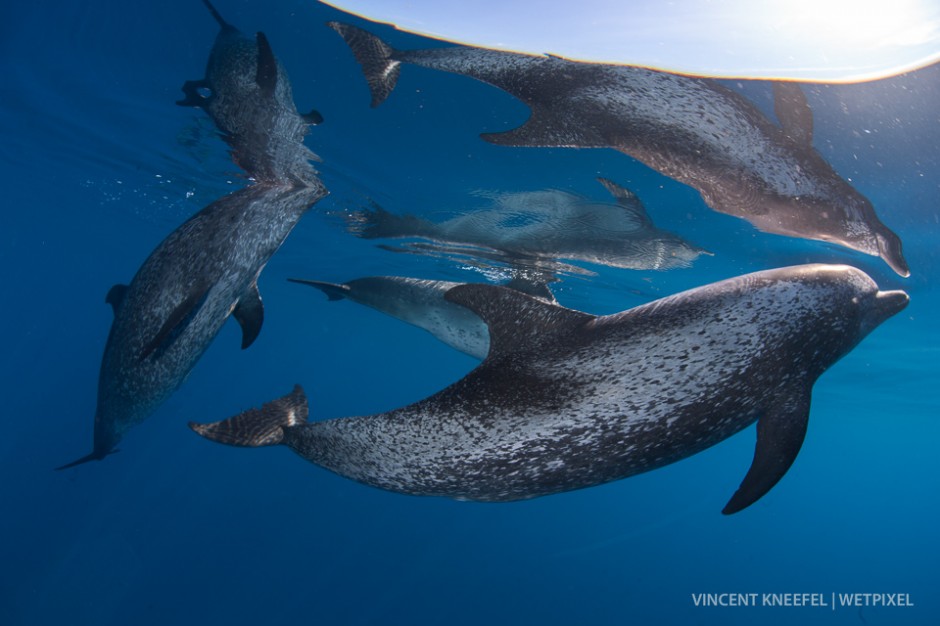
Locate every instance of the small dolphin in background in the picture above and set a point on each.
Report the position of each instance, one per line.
(248, 95)
(421, 303)
(208, 268)
(693, 130)
(566, 400)
(548, 225)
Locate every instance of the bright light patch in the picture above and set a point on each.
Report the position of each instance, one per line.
(807, 40)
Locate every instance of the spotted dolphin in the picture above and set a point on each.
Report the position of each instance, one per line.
(551, 224)
(208, 268)
(566, 400)
(421, 302)
(693, 130)
(247, 93)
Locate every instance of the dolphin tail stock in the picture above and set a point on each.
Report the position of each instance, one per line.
(376, 58)
(333, 291)
(259, 427)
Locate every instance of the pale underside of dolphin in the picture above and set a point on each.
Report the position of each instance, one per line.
(693, 130)
(538, 227)
(566, 400)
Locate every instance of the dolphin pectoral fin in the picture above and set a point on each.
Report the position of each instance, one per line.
(333, 291)
(194, 97)
(545, 128)
(266, 77)
(259, 427)
(375, 57)
(780, 433)
(312, 118)
(177, 321)
(516, 321)
(249, 313)
(115, 297)
(793, 112)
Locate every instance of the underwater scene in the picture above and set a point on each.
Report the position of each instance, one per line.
(654, 347)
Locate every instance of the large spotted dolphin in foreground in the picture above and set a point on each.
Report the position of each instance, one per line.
(691, 129)
(521, 228)
(566, 400)
(208, 268)
(422, 303)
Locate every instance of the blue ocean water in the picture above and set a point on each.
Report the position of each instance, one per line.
(98, 165)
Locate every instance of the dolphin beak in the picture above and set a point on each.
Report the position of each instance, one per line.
(889, 248)
(885, 304)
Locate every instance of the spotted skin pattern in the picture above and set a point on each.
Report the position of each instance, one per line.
(208, 268)
(693, 130)
(566, 400)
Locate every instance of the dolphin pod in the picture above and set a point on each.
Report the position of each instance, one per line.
(566, 400)
(208, 268)
(693, 130)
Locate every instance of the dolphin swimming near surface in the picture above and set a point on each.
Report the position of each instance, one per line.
(693, 130)
(208, 268)
(566, 400)
(548, 224)
(422, 303)
(247, 93)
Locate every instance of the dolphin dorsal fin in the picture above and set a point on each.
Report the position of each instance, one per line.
(548, 127)
(793, 112)
(267, 66)
(631, 203)
(516, 321)
(115, 297)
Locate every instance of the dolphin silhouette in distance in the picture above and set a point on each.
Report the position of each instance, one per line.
(540, 225)
(693, 130)
(566, 400)
(208, 268)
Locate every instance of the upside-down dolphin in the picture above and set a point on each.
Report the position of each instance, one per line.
(551, 224)
(566, 400)
(208, 268)
(248, 95)
(693, 130)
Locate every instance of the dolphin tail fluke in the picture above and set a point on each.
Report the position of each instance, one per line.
(333, 291)
(94, 456)
(376, 58)
(218, 17)
(259, 427)
(380, 224)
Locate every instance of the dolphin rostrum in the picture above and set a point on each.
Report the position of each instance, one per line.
(566, 400)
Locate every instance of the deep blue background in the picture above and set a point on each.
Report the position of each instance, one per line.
(98, 165)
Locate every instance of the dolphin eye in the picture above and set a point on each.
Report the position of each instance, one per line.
(854, 299)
